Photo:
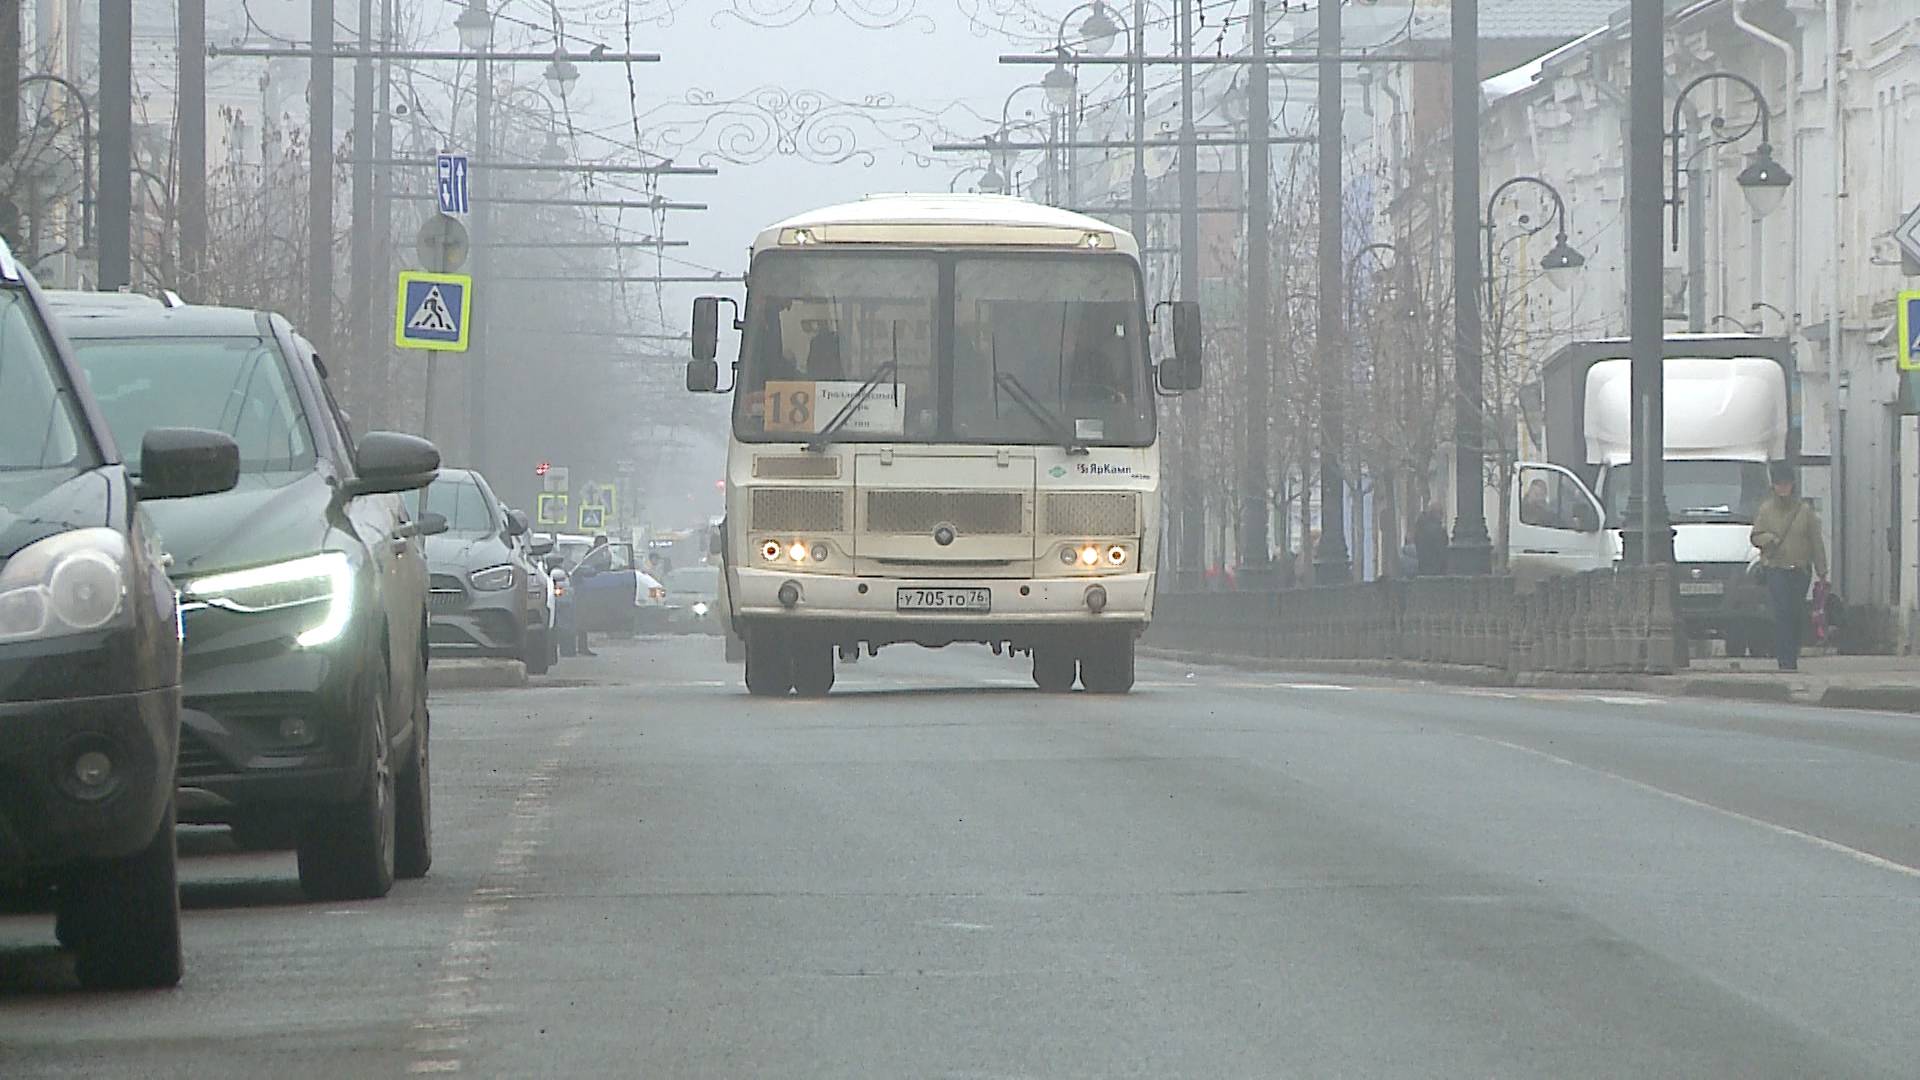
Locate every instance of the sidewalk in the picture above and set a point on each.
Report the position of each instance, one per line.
(1890, 683)
(1885, 683)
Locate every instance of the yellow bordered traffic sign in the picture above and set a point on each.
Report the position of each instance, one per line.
(1909, 328)
(550, 508)
(433, 311)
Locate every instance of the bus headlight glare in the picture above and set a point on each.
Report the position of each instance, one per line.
(798, 552)
(1090, 556)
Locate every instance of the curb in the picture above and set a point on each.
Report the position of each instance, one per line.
(476, 675)
(1880, 698)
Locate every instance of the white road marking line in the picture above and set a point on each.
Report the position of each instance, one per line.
(1865, 857)
(454, 1000)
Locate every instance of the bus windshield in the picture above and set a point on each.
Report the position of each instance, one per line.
(991, 348)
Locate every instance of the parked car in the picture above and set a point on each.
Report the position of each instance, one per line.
(693, 599)
(304, 592)
(532, 553)
(480, 601)
(89, 652)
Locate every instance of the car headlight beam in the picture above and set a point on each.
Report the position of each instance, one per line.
(323, 578)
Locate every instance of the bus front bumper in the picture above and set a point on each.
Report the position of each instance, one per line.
(1115, 599)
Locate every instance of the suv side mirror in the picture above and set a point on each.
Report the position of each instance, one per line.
(717, 541)
(389, 462)
(703, 376)
(1184, 371)
(540, 549)
(178, 463)
(516, 523)
(431, 523)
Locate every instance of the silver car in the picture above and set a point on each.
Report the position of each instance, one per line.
(479, 603)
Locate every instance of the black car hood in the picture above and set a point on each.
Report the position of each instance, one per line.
(30, 512)
(267, 517)
(449, 553)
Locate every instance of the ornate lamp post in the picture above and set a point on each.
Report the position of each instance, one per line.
(1764, 181)
(1562, 262)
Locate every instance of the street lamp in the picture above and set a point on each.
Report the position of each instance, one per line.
(475, 26)
(1562, 262)
(1059, 83)
(1764, 181)
(1098, 31)
(561, 73)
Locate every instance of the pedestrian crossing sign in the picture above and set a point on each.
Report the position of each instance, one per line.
(1909, 328)
(432, 311)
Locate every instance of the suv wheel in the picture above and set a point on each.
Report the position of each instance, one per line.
(413, 827)
(121, 917)
(347, 853)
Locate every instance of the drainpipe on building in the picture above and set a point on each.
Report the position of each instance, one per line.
(1836, 161)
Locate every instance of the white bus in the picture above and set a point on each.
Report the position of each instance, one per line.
(944, 431)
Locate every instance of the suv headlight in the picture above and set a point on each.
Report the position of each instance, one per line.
(316, 580)
(66, 584)
(493, 578)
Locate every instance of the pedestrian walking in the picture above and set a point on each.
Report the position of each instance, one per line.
(597, 560)
(1430, 540)
(1792, 555)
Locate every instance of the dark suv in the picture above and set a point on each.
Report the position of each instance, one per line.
(89, 653)
(304, 593)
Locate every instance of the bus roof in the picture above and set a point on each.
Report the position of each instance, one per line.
(946, 220)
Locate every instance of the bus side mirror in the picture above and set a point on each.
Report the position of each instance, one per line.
(706, 328)
(1184, 370)
(703, 376)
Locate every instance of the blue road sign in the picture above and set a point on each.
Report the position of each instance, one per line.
(433, 311)
(1909, 327)
(452, 186)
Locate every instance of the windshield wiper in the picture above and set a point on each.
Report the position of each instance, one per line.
(818, 444)
(1062, 433)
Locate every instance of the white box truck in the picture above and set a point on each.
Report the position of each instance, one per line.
(1728, 413)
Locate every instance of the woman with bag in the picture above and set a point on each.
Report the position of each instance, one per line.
(1787, 532)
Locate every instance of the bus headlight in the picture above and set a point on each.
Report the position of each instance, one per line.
(1090, 555)
(798, 552)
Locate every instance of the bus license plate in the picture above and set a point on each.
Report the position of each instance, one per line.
(943, 600)
(1702, 588)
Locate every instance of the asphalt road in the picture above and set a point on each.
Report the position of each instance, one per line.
(940, 873)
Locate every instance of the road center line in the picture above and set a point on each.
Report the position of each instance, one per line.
(455, 998)
(1865, 857)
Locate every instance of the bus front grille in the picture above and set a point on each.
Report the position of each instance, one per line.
(1093, 514)
(798, 510)
(971, 513)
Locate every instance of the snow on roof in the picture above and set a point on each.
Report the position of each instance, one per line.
(949, 211)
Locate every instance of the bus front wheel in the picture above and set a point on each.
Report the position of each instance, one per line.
(769, 664)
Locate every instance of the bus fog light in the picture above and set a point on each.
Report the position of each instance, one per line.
(789, 594)
(770, 551)
(1067, 556)
(92, 770)
(1097, 599)
(294, 730)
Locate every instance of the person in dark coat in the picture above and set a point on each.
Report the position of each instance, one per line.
(1430, 541)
